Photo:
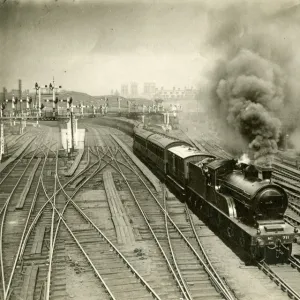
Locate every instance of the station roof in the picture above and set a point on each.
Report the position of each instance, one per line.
(185, 151)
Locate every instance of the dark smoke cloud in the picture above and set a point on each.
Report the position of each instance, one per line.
(254, 95)
(250, 95)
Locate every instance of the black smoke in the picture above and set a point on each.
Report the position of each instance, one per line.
(253, 92)
(251, 95)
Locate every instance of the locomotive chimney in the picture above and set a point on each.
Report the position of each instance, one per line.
(266, 173)
(251, 172)
(243, 166)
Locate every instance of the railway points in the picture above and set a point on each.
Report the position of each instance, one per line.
(65, 215)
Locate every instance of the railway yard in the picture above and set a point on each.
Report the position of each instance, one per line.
(149, 150)
(100, 225)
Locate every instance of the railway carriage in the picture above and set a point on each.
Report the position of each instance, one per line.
(152, 148)
(178, 158)
(158, 146)
(140, 142)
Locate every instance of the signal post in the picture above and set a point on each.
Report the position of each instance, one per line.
(52, 91)
(70, 124)
(1, 131)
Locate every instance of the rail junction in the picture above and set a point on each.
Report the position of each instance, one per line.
(96, 223)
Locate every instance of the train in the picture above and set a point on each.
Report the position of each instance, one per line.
(238, 201)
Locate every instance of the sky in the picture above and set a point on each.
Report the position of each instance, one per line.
(95, 46)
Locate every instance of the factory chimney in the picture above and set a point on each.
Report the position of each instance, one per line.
(20, 89)
(4, 94)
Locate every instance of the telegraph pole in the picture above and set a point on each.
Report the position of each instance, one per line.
(72, 129)
(1, 131)
(53, 88)
(38, 90)
(70, 108)
(20, 95)
(119, 105)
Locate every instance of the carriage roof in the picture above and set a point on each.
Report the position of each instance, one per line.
(185, 151)
(165, 141)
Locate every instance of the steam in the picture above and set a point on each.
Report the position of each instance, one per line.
(245, 159)
(254, 95)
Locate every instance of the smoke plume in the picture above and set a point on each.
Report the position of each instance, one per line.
(244, 159)
(251, 94)
(254, 95)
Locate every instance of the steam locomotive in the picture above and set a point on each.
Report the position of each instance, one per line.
(236, 200)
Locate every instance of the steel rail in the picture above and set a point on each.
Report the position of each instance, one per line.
(224, 286)
(152, 231)
(51, 250)
(297, 205)
(226, 293)
(292, 221)
(53, 239)
(38, 215)
(295, 263)
(47, 296)
(4, 209)
(99, 231)
(115, 249)
(40, 143)
(202, 249)
(280, 282)
(24, 230)
(285, 175)
(184, 288)
(21, 157)
(294, 207)
(293, 195)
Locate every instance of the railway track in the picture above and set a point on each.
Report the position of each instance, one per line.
(17, 211)
(280, 275)
(35, 251)
(194, 279)
(157, 219)
(98, 252)
(148, 209)
(94, 250)
(44, 288)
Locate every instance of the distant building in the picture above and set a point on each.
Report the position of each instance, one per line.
(176, 93)
(134, 89)
(149, 88)
(15, 92)
(124, 90)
